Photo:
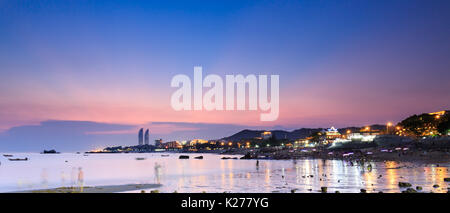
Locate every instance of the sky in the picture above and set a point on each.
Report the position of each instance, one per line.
(106, 66)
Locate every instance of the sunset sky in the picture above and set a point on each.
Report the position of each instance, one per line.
(341, 63)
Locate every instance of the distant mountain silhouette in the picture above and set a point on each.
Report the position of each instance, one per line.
(293, 135)
(280, 134)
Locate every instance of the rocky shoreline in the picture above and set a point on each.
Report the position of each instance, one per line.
(401, 154)
(94, 189)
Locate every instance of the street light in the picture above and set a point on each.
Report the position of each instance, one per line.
(368, 130)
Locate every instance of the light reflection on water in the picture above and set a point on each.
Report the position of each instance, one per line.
(215, 175)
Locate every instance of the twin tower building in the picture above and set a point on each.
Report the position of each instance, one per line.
(141, 137)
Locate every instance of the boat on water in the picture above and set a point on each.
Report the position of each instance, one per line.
(164, 155)
(7, 156)
(183, 157)
(140, 158)
(18, 159)
(50, 152)
(199, 157)
(228, 158)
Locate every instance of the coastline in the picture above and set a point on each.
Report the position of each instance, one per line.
(369, 154)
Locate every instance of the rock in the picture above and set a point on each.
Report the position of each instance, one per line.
(404, 184)
(447, 179)
(418, 188)
(337, 192)
(435, 186)
(154, 191)
(293, 190)
(363, 191)
(142, 191)
(410, 190)
(323, 189)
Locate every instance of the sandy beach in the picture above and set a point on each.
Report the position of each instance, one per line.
(95, 189)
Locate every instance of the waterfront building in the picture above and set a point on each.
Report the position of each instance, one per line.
(332, 133)
(440, 113)
(361, 137)
(141, 137)
(172, 145)
(197, 141)
(301, 142)
(266, 135)
(369, 131)
(146, 137)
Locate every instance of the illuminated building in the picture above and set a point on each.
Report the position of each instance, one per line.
(172, 145)
(361, 137)
(332, 133)
(369, 131)
(197, 141)
(266, 135)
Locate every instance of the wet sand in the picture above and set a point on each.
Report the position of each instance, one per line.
(94, 189)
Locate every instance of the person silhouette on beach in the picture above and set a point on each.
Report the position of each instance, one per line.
(80, 179)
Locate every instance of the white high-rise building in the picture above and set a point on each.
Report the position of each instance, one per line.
(141, 137)
(146, 138)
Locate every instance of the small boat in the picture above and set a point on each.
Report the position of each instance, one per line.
(228, 158)
(50, 152)
(199, 157)
(164, 155)
(18, 159)
(7, 156)
(140, 158)
(183, 157)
